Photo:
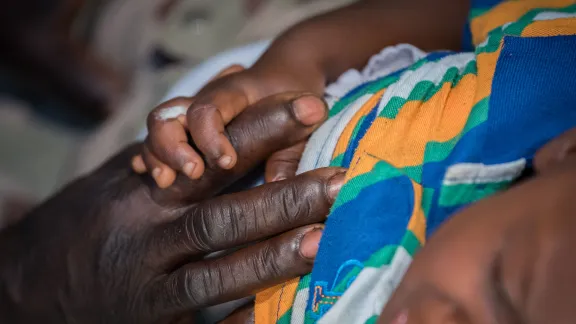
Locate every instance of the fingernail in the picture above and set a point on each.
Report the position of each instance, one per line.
(189, 168)
(279, 177)
(138, 164)
(310, 243)
(309, 110)
(156, 173)
(225, 161)
(335, 184)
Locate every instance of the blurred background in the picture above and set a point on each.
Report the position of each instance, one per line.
(78, 77)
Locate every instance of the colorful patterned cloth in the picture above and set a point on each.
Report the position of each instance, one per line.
(426, 141)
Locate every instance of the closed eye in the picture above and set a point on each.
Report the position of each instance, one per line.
(503, 307)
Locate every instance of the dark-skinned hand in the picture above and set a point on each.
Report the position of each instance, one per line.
(508, 259)
(113, 248)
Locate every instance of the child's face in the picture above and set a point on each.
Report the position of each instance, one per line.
(508, 259)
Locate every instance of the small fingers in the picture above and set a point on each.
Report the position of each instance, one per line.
(213, 109)
(284, 164)
(234, 68)
(163, 175)
(138, 164)
(168, 140)
(270, 125)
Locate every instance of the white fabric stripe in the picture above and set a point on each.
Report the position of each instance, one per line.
(370, 292)
(432, 71)
(470, 173)
(550, 15)
(299, 307)
(320, 147)
(389, 60)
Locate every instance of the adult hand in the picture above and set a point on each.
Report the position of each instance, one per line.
(111, 249)
(506, 259)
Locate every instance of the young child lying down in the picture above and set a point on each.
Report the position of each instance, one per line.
(422, 134)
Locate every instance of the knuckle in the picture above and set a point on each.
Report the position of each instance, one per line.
(266, 263)
(292, 205)
(199, 110)
(315, 188)
(209, 225)
(198, 235)
(208, 144)
(193, 292)
(206, 284)
(286, 160)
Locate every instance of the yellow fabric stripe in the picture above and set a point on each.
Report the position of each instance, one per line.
(362, 163)
(402, 141)
(272, 303)
(486, 63)
(508, 11)
(455, 111)
(417, 222)
(556, 27)
(344, 139)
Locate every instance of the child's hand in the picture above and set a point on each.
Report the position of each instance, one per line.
(167, 149)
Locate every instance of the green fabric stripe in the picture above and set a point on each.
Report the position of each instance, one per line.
(424, 90)
(477, 12)
(414, 173)
(304, 282)
(381, 171)
(435, 151)
(308, 318)
(286, 318)
(369, 88)
(352, 188)
(372, 87)
(455, 195)
(393, 107)
(496, 35)
(337, 161)
(427, 194)
(438, 151)
(411, 243)
(381, 257)
(342, 285)
(372, 320)
(418, 64)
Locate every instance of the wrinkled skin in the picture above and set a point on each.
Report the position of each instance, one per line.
(113, 248)
(507, 259)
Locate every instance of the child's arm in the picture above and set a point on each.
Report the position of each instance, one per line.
(304, 58)
(320, 49)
